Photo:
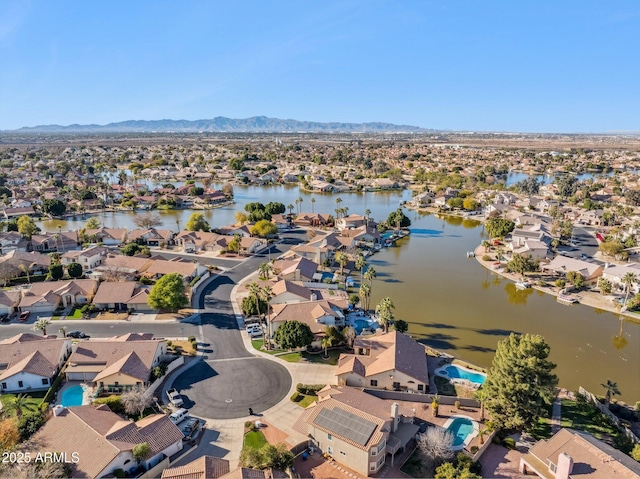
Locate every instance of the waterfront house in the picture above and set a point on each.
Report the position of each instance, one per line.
(285, 291)
(197, 241)
(29, 362)
(296, 268)
(117, 364)
(423, 199)
(11, 241)
(318, 315)
(391, 360)
(351, 221)
(356, 429)
(21, 260)
(103, 441)
(107, 236)
(321, 247)
(572, 454)
(59, 242)
(150, 237)
(616, 272)
(561, 265)
(311, 219)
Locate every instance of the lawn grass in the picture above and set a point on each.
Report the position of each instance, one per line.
(257, 344)
(76, 314)
(183, 348)
(34, 401)
(334, 355)
(254, 440)
(291, 357)
(586, 418)
(307, 400)
(542, 429)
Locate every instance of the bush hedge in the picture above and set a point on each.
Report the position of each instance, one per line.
(114, 402)
(309, 389)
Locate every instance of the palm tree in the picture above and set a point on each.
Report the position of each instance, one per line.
(290, 206)
(300, 200)
(266, 293)
(628, 280)
(384, 311)
(265, 270)
(41, 325)
(254, 290)
(297, 202)
(361, 262)
(20, 403)
(326, 342)
(63, 330)
(611, 390)
(312, 200)
(367, 213)
(338, 202)
(178, 224)
(27, 270)
(365, 294)
(342, 259)
(369, 275)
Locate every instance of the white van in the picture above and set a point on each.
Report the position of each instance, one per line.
(179, 416)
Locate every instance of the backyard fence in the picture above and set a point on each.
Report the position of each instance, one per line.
(202, 279)
(421, 398)
(171, 367)
(604, 410)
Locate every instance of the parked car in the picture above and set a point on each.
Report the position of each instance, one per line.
(254, 330)
(77, 335)
(5, 318)
(174, 397)
(24, 315)
(191, 429)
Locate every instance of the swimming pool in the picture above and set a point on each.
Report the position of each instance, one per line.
(457, 372)
(73, 396)
(463, 430)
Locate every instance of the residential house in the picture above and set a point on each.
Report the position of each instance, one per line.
(118, 267)
(365, 234)
(209, 467)
(107, 236)
(318, 315)
(9, 301)
(22, 261)
(231, 230)
(351, 221)
(47, 296)
(591, 217)
(88, 258)
(423, 199)
(114, 295)
(615, 274)
(322, 186)
(295, 268)
(385, 361)
(356, 429)
(311, 219)
(574, 454)
(10, 213)
(104, 442)
(289, 292)
(561, 265)
(29, 362)
(283, 222)
(533, 248)
(188, 269)
(322, 247)
(197, 241)
(151, 237)
(11, 241)
(384, 183)
(59, 242)
(536, 232)
(117, 364)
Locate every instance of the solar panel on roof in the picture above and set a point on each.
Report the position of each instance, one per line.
(347, 425)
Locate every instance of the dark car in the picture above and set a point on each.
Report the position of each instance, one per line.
(191, 429)
(24, 315)
(77, 335)
(5, 318)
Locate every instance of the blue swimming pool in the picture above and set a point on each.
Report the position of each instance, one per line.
(361, 324)
(461, 427)
(456, 372)
(72, 396)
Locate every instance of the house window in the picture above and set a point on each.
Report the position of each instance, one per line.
(4, 385)
(420, 387)
(329, 437)
(20, 384)
(552, 467)
(330, 450)
(374, 382)
(396, 385)
(374, 452)
(380, 461)
(45, 381)
(372, 466)
(342, 453)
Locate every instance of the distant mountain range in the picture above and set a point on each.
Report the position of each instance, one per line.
(222, 124)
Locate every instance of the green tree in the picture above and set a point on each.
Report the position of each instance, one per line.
(74, 270)
(361, 262)
(56, 271)
(293, 334)
(342, 259)
(397, 219)
(470, 204)
(275, 208)
(628, 279)
(41, 325)
(93, 223)
(520, 383)
(264, 270)
(20, 404)
(250, 306)
(611, 389)
(384, 311)
(168, 293)
(141, 451)
(499, 227)
(401, 325)
(529, 186)
(234, 244)
(605, 286)
(521, 264)
(236, 164)
(266, 293)
(576, 279)
(131, 249)
(278, 457)
(365, 295)
(53, 207)
(197, 222)
(264, 228)
(27, 227)
(635, 453)
(567, 185)
(611, 247)
(29, 424)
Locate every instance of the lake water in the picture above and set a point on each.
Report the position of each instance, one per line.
(451, 302)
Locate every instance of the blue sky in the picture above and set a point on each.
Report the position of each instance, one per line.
(544, 66)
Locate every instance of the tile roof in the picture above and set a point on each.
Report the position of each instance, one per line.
(284, 286)
(114, 292)
(30, 353)
(307, 312)
(390, 351)
(204, 467)
(129, 365)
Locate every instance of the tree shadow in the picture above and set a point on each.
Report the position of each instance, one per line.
(478, 349)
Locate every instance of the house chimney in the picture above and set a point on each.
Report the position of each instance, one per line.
(565, 466)
(395, 407)
(314, 297)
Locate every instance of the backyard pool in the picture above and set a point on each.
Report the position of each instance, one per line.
(457, 372)
(73, 396)
(463, 430)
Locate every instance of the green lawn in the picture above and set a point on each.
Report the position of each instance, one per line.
(334, 354)
(76, 314)
(34, 400)
(307, 400)
(257, 344)
(254, 440)
(586, 418)
(291, 357)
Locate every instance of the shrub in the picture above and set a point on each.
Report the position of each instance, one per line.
(119, 473)
(486, 257)
(473, 449)
(169, 343)
(560, 283)
(114, 402)
(192, 339)
(249, 424)
(29, 423)
(509, 443)
(309, 389)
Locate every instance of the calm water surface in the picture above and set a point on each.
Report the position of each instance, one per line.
(451, 302)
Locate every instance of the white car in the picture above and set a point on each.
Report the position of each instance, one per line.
(254, 330)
